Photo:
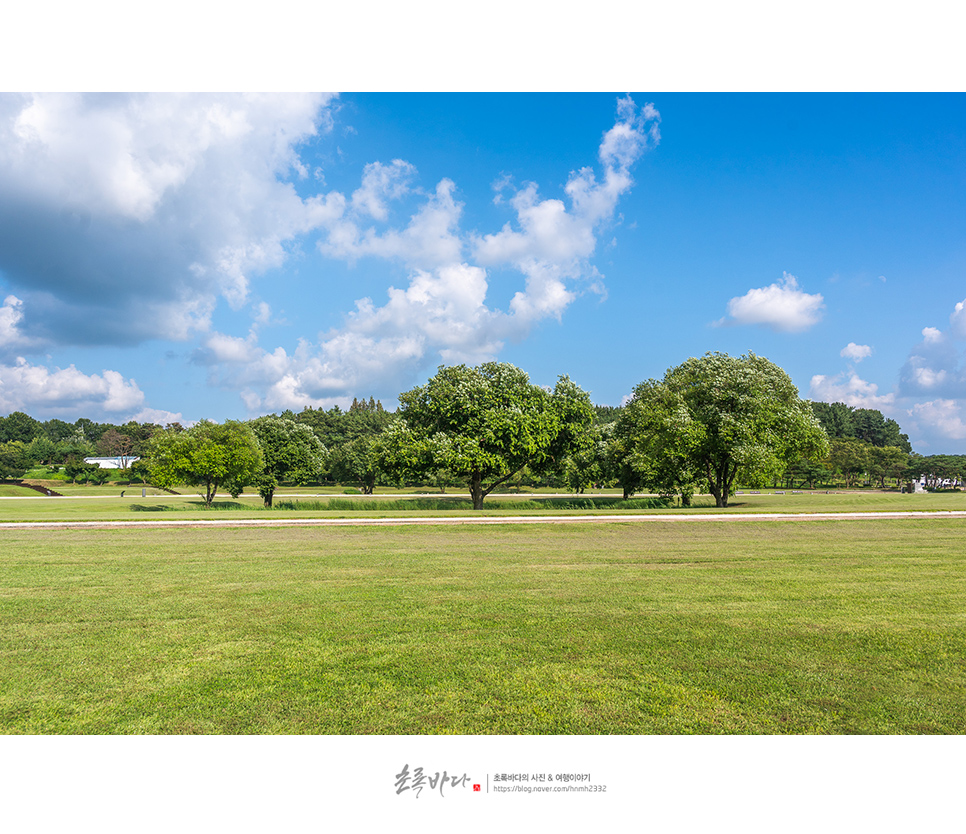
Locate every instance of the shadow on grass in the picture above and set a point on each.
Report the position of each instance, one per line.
(192, 505)
(453, 503)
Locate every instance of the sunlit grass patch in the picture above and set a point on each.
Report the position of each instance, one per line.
(812, 627)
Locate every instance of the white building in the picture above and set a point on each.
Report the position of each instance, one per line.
(120, 462)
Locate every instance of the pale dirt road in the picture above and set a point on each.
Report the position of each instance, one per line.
(482, 520)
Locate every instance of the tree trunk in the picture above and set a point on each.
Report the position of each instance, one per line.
(476, 490)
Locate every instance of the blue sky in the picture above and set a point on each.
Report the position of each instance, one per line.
(178, 257)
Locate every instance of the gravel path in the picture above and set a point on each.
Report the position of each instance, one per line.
(464, 520)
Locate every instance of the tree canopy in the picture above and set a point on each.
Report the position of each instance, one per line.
(869, 425)
(291, 452)
(208, 455)
(484, 425)
(655, 443)
(714, 417)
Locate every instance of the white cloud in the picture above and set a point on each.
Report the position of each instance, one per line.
(126, 217)
(934, 368)
(957, 320)
(131, 217)
(11, 337)
(379, 184)
(781, 306)
(161, 417)
(430, 239)
(856, 352)
(40, 391)
(442, 311)
(851, 390)
(943, 417)
(548, 232)
(442, 314)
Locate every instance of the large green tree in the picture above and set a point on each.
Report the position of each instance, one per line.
(850, 458)
(359, 459)
(208, 454)
(15, 459)
(715, 416)
(484, 425)
(291, 452)
(655, 443)
(19, 426)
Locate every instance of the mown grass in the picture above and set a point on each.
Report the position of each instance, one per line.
(15, 491)
(798, 627)
(109, 505)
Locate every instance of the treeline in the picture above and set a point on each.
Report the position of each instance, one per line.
(27, 443)
(708, 425)
(868, 448)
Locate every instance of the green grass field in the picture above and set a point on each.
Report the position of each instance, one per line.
(106, 503)
(758, 627)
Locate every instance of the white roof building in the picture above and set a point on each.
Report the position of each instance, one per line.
(120, 462)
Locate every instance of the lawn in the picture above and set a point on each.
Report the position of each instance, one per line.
(106, 503)
(805, 627)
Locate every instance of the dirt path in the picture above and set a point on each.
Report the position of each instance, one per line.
(464, 520)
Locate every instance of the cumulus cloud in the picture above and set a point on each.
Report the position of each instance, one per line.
(379, 184)
(42, 392)
(161, 417)
(442, 311)
(782, 306)
(126, 217)
(941, 417)
(851, 390)
(957, 320)
(551, 241)
(856, 352)
(442, 314)
(12, 340)
(933, 368)
(431, 238)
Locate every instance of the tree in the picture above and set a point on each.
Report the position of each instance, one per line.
(335, 427)
(807, 472)
(876, 429)
(713, 417)
(75, 468)
(485, 424)
(15, 459)
(836, 419)
(207, 454)
(116, 445)
(588, 463)
(19, 426)
(850, 458)
(656, 439)
(291, 452)
(42, 449)
(358, 460)
(75, 446)
(887, 462)
(842, 421)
